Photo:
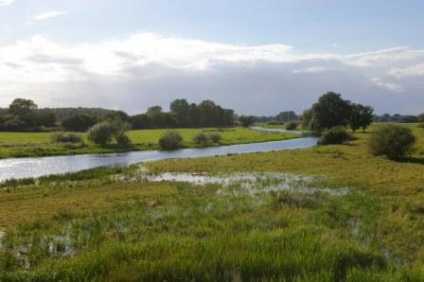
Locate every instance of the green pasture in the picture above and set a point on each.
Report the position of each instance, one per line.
(39, 144)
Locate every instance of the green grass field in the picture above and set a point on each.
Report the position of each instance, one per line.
(39, 144)
(90, 226)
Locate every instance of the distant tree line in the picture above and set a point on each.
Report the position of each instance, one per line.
(397, 118)
(24, 115)
(185, 115)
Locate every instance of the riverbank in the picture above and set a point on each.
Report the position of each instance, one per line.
(14, 145)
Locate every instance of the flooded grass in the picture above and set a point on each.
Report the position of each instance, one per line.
(241, 183)
(195, 227)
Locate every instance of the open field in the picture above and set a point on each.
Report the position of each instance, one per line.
(39, 144)
(90, 226)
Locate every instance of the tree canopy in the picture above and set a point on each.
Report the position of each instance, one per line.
(332, 111)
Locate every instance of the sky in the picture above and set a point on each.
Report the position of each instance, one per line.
(256, 57)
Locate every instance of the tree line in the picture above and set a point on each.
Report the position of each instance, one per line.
(24, 115)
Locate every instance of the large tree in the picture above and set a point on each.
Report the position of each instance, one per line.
(24, 111)
(330, 110)
(20, 107)
(180, 108)
(360, 117)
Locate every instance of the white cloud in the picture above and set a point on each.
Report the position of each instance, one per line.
(415, 70)
(47, 15)
(6, 2)
(155, 69)
(310, 70)
(387, 85)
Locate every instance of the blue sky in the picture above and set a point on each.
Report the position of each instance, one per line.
(257, 57)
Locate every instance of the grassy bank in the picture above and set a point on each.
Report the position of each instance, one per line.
(90, 226)
(39, 144)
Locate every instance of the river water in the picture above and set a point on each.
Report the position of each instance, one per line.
(19, 168)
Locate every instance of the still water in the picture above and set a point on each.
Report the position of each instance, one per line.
(35, 167)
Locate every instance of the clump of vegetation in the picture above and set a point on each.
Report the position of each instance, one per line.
(335, 135)
(393, 141)
(103, 133)
(421, 120)
(246, 121)
(66, 138)
(215, 137)
(170, 140)
(79, 123)
(201, 139)
(123, 140)
(331, 110)
(292, 125)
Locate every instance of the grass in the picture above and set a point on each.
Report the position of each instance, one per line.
(90, 226)
(39, 144)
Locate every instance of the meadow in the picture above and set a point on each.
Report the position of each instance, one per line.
(40, 144)
(348, 216)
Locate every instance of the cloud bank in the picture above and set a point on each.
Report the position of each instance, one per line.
(148, 69)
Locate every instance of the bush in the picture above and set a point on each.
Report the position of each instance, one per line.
(66, 138)
(123, 140)
(393, 141)
(335, 135)
(215, 138)
(170, 140)
(292, 125)
(201, 139)
(101, 133)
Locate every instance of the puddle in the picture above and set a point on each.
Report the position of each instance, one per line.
(2, 234)
(237, 183)
(61, 245)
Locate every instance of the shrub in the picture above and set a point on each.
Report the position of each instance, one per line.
(335, 135)
(170, 140)
(66, 138)
(123, 140)
(201, 139)
(393, 141)
(215, 138)
(292, 125)
(101, 133)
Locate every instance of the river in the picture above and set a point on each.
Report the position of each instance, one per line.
(19, 168)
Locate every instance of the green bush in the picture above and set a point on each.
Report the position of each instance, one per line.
(292, 125)
(393, 141)
(123, 140)
(201, 139)
(170, 140)
(101, 133)
(215, 138)
(335, 135)
(66, 138)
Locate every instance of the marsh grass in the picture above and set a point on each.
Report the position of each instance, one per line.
(105, 225)
(182, 231)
